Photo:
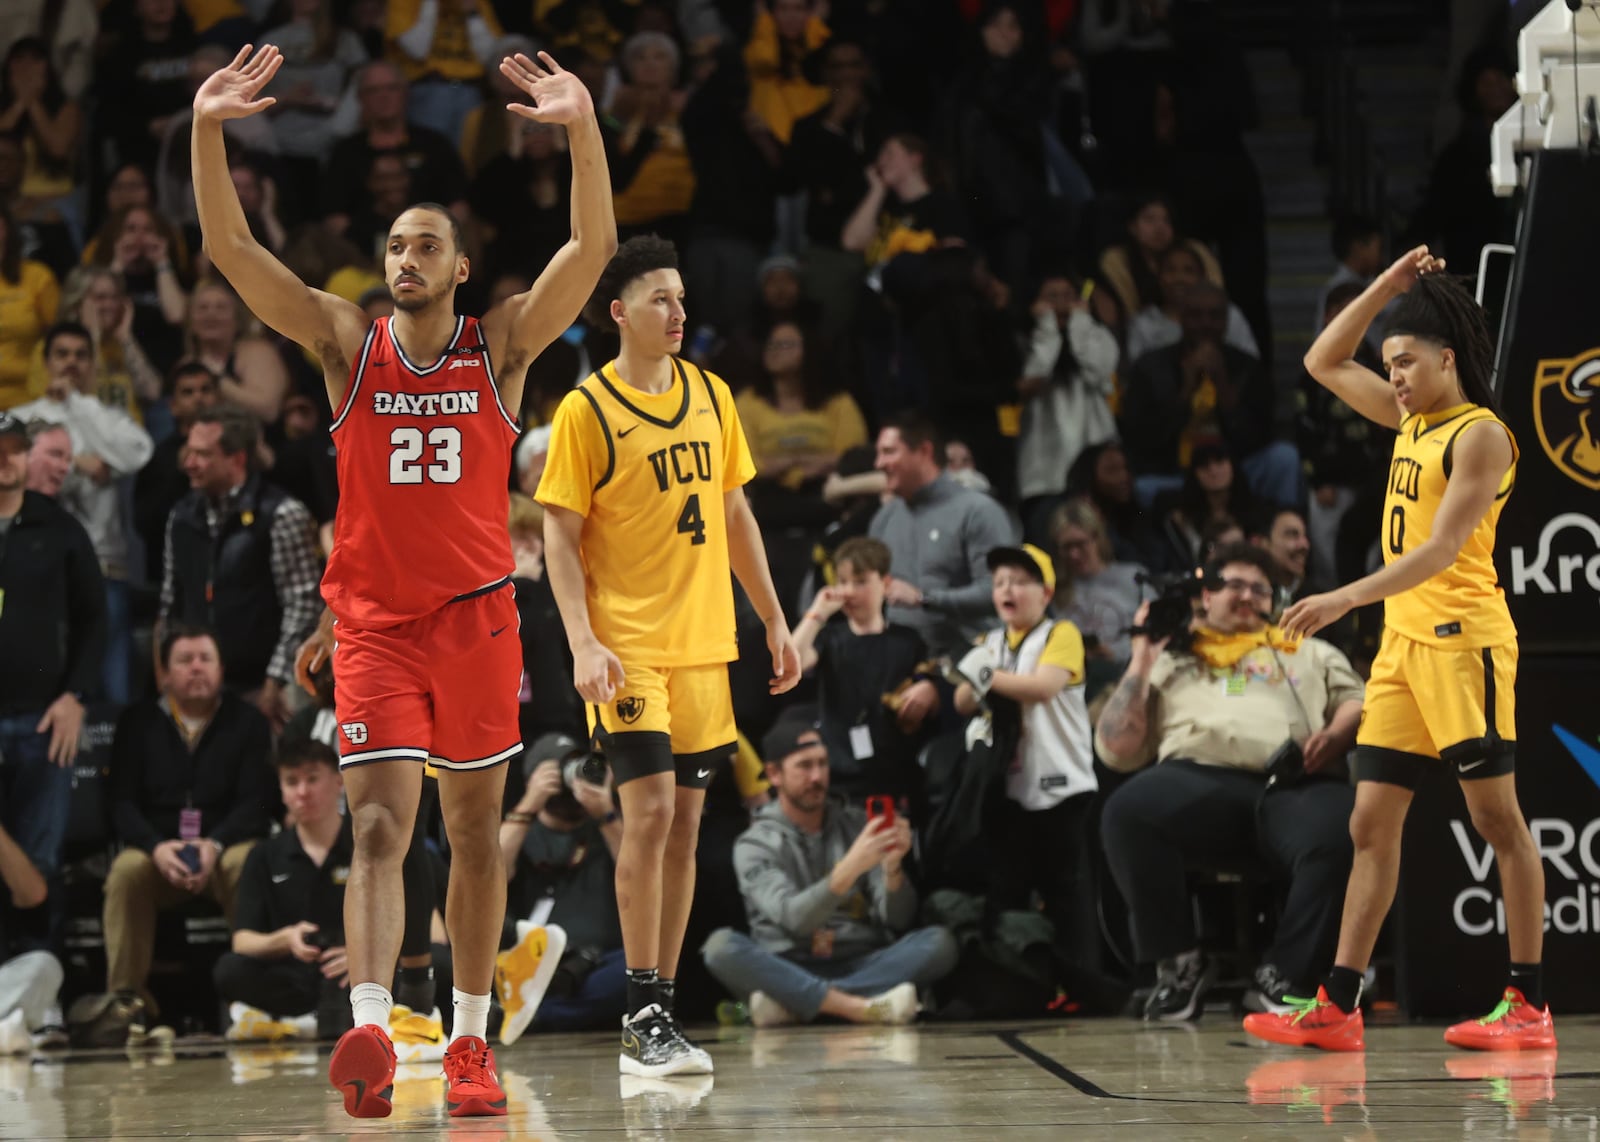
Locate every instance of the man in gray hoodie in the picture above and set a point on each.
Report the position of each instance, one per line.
(827, 899)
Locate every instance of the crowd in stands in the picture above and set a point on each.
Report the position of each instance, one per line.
(1034, 222)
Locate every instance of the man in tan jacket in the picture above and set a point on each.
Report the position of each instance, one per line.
(1229, 790)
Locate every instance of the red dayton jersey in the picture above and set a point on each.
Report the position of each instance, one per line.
(423, 459)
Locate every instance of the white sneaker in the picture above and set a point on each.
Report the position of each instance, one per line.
(768, 1012)
(14, 1037)
(897, 1006)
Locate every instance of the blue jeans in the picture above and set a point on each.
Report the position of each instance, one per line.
(35, 795)
(116, 670)
(600, 1001)
(800, 983)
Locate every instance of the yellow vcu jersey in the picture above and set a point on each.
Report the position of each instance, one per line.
(1463, 606)
(648, 471)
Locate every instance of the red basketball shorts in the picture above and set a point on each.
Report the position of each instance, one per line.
(442, 688)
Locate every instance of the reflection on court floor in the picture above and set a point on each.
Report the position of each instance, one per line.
(1024, 1081)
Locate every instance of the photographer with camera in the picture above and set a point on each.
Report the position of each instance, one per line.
(562, 957)
(286, 975)
(1249, 728)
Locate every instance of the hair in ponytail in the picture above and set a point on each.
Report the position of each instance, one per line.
(1441, 308)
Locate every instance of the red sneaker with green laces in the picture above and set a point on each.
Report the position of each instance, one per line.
(1310, 1023)
(1514, 1025)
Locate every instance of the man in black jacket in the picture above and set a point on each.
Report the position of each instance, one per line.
(241, 558)
(52, 626)
(191, 792)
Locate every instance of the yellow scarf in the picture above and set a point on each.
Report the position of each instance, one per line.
(1222, 651)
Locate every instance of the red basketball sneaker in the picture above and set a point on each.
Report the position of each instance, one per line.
(1311, 1023)
(474, 1089)
(362, 1069)
(1514, 1025)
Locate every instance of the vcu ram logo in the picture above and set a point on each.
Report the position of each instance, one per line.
(1566, 413)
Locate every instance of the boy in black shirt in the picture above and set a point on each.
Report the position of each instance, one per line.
(873, 704)
(288, 960)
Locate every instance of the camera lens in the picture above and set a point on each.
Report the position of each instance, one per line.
(571, 771)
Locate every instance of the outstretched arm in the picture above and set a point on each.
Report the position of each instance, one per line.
(329, 326)
(1331, 358)
(519, 329)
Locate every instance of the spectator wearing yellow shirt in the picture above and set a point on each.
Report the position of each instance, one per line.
(797, 429)
(443, 48)
(653, 179)
(124, 378)
(29, 297)
(785, 34)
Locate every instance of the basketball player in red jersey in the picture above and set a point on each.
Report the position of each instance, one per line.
(426, 648)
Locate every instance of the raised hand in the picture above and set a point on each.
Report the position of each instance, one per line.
(1410, 266)
(235, 91)
(558, 96)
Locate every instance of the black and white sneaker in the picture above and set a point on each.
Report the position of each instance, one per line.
(701, 1057)
(653, 1047)
(1181, 986)
(1269, 992)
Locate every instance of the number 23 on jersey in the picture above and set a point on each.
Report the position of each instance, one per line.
(436, 456)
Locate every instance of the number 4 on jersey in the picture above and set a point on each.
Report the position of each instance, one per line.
(691, 522)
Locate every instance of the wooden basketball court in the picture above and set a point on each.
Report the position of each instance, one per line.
(972, 1081)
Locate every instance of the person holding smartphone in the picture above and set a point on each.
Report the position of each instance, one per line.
(829, 903)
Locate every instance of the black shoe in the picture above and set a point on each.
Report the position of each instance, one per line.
(1268, 991)
(653, 1047)
(1181, 986)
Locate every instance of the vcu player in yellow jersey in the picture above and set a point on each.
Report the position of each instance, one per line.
(646, 517)
(1442, 686)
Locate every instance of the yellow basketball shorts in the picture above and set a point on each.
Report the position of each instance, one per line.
(1425, 702)
(667, 718)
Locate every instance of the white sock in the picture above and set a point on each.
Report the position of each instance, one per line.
(472, 1016)
(370, 1003)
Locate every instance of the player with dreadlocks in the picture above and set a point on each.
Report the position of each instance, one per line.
(1443, 683)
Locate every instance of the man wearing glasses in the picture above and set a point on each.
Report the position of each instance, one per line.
(1249, 730)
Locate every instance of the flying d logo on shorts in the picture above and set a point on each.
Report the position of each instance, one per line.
(630, 709)
(1567, 414)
